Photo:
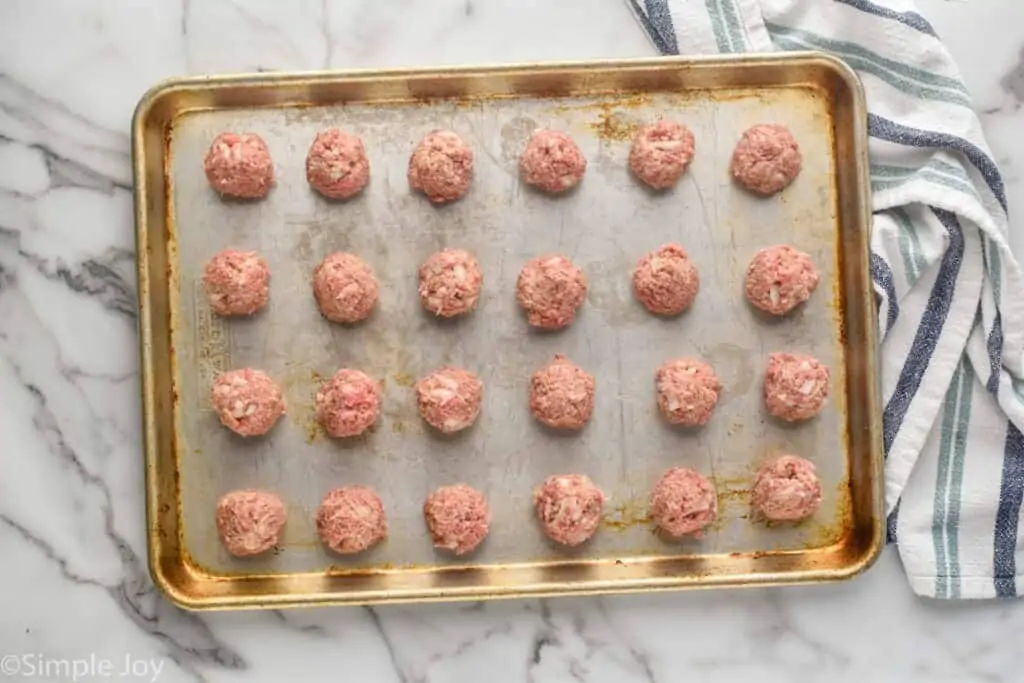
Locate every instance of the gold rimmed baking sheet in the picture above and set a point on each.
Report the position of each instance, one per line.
(604, 226)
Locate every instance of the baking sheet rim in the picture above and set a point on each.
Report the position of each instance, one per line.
(144, 242)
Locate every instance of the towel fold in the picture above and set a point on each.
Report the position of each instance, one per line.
(950, 292)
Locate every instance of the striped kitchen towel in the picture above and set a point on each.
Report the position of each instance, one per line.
(950, 293)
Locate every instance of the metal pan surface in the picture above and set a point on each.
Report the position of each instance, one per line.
(604, 226)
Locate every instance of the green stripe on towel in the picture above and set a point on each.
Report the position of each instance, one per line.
(957, 477)
(899, 76)
(732, 20)
(718, 26)
(941, 484)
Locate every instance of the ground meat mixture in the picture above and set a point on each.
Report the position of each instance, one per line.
(550, 289)
(766, 159)
(247, 401)
(458, 518)
(665, 281)
(351, 519)
(795, 386)
(236, 282)
(562, 395)
(786, 489)
(568, 507)
(683, 502)
(250, 522)
(336, 165)
(348, 404)
(779, 279)
(450, 399)
(239, 166)
(687, 391)
(450, 282)
(661, 153)
(552, 162)
(441, 167)
(345, 288)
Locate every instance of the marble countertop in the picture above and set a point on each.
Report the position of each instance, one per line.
(75, 594)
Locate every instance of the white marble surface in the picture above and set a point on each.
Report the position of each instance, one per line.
(73, 581)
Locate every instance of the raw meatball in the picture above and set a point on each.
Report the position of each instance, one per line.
(562, 395)
(786, 489)
(568, 507)
(779, 279)
(795, 386)
(441, 166)
(236, 282)
(348, 404)
(683, 502)
(552, 161)
(250, 522)
(247, 401)
(665, 281)
(336, 165)
(458, 517)
(351, 519)
(345, 288)
(550, 289)
(687, 391)
(449, 399)
(239, 165)
(450, 283)
(660, 153)
(766, 159)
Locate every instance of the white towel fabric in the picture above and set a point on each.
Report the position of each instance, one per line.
(950, 293)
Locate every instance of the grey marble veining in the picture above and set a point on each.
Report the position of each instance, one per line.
(74, 585)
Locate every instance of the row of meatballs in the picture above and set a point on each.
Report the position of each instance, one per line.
(569, 508)
(249, 402)
(550, 289)
(238, 165)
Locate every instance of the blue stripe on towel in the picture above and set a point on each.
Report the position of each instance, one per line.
(649, 28)
(1011, 492)
(995, 353)
(882, 276)
(891, 523)
(661, 19)
(890, 131)
(928, 331)
(911, 19)
(994, 343)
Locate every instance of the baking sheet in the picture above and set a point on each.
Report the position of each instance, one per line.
(604, 226)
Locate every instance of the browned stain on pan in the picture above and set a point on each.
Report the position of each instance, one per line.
(613, 126)
(613, 123)
(300, 384)
(626, 515)
(404, 379)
